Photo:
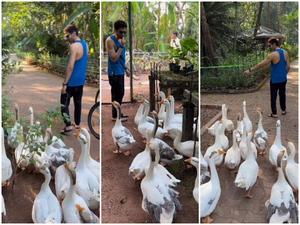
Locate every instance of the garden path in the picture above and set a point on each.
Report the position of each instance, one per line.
(232, 206)
(41, 90)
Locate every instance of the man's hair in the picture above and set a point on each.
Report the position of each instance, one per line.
(175, 32)
(120, 24)
(273, 40)
(70, 29)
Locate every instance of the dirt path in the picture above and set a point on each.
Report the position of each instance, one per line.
(121, 196)
(232, 206)
(40, 90)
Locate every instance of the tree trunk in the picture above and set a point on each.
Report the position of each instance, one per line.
(268, 14)
(258, 19)
(158, 24)
(207, 38)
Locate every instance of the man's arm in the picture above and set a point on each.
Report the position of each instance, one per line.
(71, 63)
(287, 63)
(113, 54)
(261, 64)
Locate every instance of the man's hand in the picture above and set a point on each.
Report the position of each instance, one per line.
(123, 42)
(64, 89)
(247, 72)
(127, 72)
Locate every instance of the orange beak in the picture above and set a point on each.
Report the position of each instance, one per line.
(221, 152)
(168, 133)
(188, 160)
(161, 102)
(77, 134)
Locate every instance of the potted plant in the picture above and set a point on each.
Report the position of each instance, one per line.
(189, 53)
(173, 55)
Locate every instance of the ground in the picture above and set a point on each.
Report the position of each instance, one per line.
(40, 90)
(121, 195)
(232, 206)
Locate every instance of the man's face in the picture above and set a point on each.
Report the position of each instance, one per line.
(121, 32)
(272, 47)
(70, 37)
(174, 36)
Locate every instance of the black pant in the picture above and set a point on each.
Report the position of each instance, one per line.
(76, 93)
(117, 91)
(274, 87)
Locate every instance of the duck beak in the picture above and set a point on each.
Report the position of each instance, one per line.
(168, 133)
(282, 152)
(168, 97)
(221, 152)
(188, 160)
(113, 103)
(77, 134)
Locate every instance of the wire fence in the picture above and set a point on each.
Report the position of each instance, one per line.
(229, 73)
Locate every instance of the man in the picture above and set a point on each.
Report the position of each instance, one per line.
(115, 45)
(280, 66)
(175, 41)
(75, 76)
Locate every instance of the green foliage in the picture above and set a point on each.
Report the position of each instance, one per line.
(291, 49)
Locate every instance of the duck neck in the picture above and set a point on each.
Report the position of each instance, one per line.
(172, 108)
(146, 112)
(151, 168)
(31, 119)
(213, 171)
(140, 110)
(278, 136)
(45, 186)
(281, 178)
(245, 113)
(235, 146)
(118, 121)
(177, 140)
(291, 157)
(223, 113)
(69, 194)
(260, 126)
(167, 117)
(81, 162)
(217, 137)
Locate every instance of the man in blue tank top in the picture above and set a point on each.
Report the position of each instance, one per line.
(74, 81)
(115, 45)
(280, 66)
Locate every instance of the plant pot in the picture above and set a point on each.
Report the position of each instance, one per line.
(176, 68)
(171, 65)
(187, 70)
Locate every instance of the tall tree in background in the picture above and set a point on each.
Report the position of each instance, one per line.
(207, 41)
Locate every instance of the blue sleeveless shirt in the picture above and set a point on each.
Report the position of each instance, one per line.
(117, 68)
(278, 71)
(78, 75)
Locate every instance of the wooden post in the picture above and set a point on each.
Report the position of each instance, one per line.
(152, 88)
(188, 119)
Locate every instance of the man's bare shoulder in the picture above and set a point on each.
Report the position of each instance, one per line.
(109, 40)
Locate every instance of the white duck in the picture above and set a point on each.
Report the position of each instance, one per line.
(140, 112)
(6, 163)
(162, 109)
(211, 129)
(144, 125)
(210, 192)
(243, 145)
(233, 155)
(240, 127)
(122, 137)
(216, 146)
(159, 200)
(74, 208)
(3, 210)
(91, 164)
(195, 162)
(62, 179)
(248, 170)
(16, 133)
(247, 121)
(22, 155)
(291, 169)
(46, 205)
(223, 138)
(203, 169)
(31, 137)
(185, 148)
(229, 123)
(282, 206)
(87, 185)
(260, 135)
(167, 121)
(276, 147)
(175, 118)
(167, 154)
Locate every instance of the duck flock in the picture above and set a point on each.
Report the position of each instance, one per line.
(241, 157)
(77, 187)
(160, 199)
